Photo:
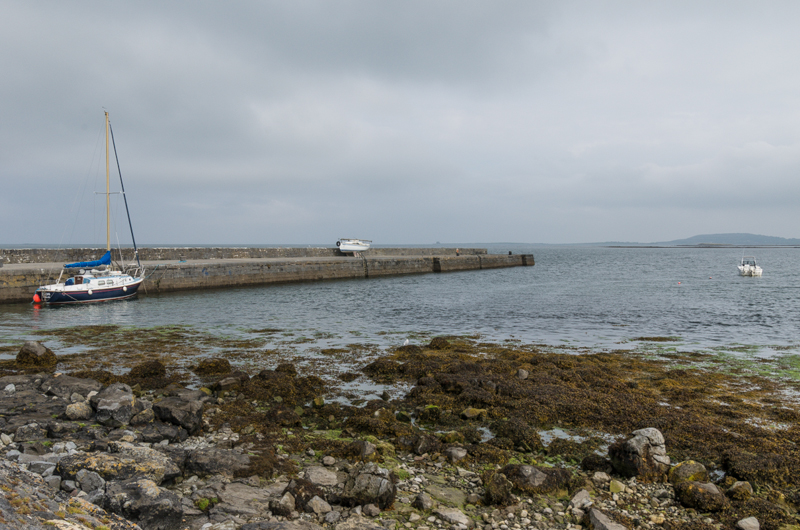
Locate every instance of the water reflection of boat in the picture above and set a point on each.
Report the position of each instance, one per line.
(749, 267)
(353, 245)
(96, 285)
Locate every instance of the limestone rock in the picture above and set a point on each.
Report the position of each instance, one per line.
(369, 484)
(644, 455)
(66, 386)
(283, 525)
(144, 503)
(115, 405)
(30, 433)
(321, 476)
(601, 521)
(318, 505)
(89, 481)
(285, 505)
(155, 431)
(454, 454)
(241, 499)
(33, 353)
(454, 516)
(79, 411)
(423, 502)
(581, 500)
(118, 467)
(749, 523)
(214, 461)
(358, 523)
(187, 414)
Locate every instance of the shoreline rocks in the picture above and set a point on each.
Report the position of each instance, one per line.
(266, 453)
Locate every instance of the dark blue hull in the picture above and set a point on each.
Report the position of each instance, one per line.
(83, 297)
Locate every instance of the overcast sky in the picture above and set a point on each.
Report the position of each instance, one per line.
(402, 122)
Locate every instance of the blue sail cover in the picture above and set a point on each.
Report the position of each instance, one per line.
(105, 260)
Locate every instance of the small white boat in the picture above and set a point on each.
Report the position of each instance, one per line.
(749, 267)
(353, 245)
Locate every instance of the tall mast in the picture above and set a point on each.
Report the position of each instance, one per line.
(108, 194)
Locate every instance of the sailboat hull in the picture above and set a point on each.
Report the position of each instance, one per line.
(77, 295)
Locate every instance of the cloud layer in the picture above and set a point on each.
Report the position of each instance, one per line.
(402, 122)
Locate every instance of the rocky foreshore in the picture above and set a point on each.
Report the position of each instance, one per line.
(464, 449)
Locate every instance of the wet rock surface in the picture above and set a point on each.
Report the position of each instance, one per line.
(511, 440)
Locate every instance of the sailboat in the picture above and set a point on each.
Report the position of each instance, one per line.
(86, 283)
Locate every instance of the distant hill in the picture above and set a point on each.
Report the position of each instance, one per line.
(732, 239)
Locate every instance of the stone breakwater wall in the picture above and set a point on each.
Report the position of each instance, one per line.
(19, 281)
(67, 255)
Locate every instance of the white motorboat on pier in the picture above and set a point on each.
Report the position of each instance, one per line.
(749, 267)
(353, 245)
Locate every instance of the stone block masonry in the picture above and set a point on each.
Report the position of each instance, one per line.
(185, 269)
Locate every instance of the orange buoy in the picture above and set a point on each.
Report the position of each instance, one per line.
(679, 283)
(37, 298)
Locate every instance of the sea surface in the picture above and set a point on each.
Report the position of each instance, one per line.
(574, 298)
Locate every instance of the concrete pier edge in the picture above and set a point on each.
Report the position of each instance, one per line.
(176, 269)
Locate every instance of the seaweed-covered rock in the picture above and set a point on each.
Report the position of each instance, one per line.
(536, 480)
(439, 343)
(231, 381)
(419, 444)
(213, 366)
(688, 470)
(147, 370)
(740, 491)
(703, 496)
(34, 354)
(519, 432)
(595, 462)
(286, 368)
(644, 455)
(497, 488)
(302, 492)
(766, 468)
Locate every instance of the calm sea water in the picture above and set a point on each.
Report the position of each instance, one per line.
(600, 298)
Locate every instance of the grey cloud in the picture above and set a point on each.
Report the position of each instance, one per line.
(404, 122)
